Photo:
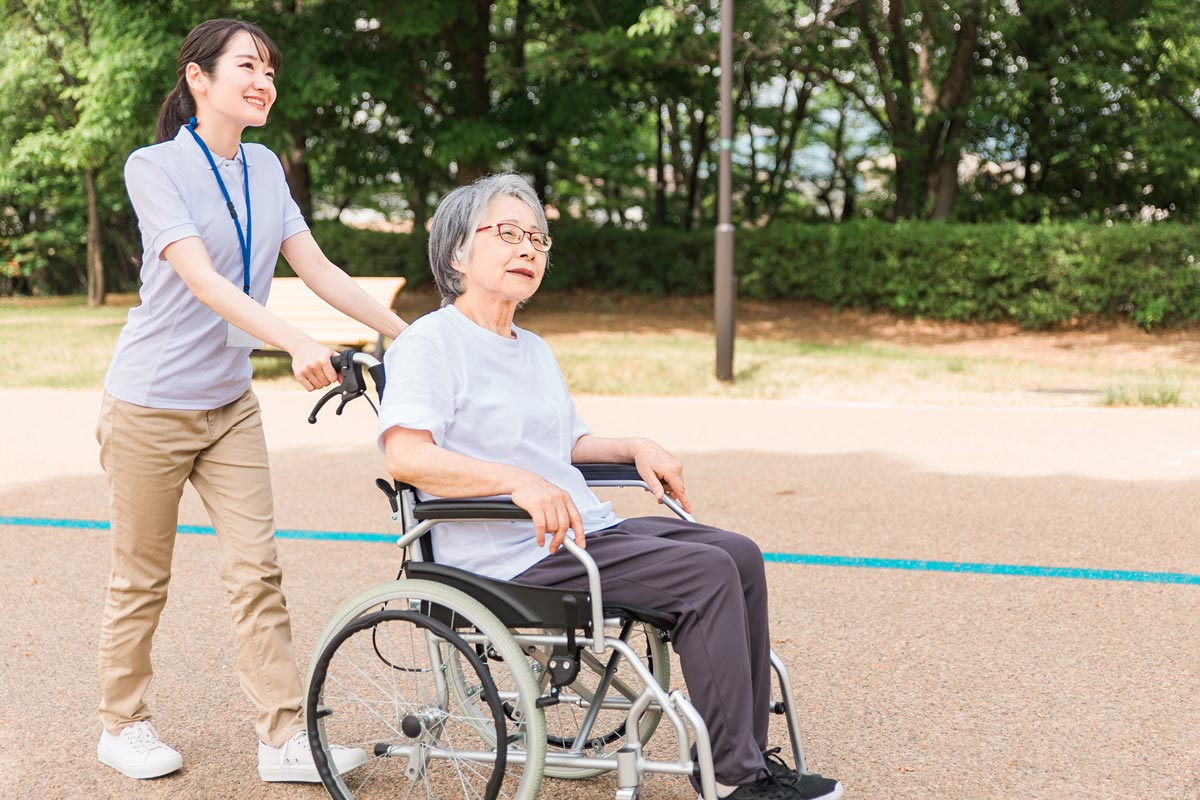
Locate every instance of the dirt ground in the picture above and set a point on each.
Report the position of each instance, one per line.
(1119, 344)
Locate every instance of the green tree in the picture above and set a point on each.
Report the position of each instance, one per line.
(72, 78)
(912, 65)
(1084, 111)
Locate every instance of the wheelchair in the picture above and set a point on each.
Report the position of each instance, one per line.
(457, 685)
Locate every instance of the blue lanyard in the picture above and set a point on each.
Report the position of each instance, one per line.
(243, 241)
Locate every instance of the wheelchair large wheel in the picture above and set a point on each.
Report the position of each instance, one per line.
(563, 720)
(381, 685)
(455, 711)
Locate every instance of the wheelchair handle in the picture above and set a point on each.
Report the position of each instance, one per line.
(349, 364)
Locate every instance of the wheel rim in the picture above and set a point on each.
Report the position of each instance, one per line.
(382, 684)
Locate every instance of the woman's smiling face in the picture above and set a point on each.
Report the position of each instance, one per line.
(500, 271)
(242, 87)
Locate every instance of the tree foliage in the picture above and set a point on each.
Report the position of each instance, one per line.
(977, 110)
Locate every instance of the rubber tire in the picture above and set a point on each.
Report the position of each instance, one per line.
(405, 592)
(333, 783)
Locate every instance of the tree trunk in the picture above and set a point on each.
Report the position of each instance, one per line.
(295, 169)
(540, 152)
(945, 125)
(660, 180)
(675, 137)
(95, 266)
(418, 202)
(468, 42)
(910, 188)
(849, 200)
(699, 148)
(945, 189)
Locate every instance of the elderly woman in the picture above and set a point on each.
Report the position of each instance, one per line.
(477, 407)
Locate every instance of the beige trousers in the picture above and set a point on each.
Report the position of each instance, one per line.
(148, 454)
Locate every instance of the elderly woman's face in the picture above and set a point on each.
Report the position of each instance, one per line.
(502, 271)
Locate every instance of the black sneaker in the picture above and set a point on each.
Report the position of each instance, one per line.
(764, 789)
(810, 785)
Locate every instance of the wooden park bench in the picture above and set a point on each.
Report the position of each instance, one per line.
(293, 302)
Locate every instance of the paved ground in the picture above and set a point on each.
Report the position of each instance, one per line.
(915, 684)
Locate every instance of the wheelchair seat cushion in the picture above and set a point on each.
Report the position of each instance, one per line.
(519, 605)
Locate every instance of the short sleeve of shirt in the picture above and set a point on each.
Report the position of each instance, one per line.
(162, 213)
(420, 387)
(293, 220)
(579, 428)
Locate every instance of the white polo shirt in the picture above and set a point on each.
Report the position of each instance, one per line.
(171, 352)
(496, 399)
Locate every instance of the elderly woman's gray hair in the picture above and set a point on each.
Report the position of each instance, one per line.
(452, 231)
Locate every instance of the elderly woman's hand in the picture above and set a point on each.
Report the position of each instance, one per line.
(551, 509)
(661, 471)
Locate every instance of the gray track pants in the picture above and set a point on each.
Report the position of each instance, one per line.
(712, 581)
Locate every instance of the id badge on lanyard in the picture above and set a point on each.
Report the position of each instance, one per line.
(234, 336)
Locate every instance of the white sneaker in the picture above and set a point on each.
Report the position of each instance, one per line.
(293, 762)
(138, 752)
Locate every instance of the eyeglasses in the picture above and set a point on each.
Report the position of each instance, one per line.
(513, 234)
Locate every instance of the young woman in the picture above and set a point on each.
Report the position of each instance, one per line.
(214, 215)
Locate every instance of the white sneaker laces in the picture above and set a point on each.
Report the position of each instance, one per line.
(303, 751)
(142, 737)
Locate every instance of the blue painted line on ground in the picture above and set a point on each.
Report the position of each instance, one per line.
(1021, 570)
(202, 530)
(963, 567)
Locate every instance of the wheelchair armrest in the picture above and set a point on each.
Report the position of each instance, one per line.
(468, 510)
(616, 475)
(610, 474)
(434, 510)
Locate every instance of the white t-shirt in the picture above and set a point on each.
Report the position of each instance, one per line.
(171, 352)
(495, 399)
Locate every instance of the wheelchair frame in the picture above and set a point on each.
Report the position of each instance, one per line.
(444, 611)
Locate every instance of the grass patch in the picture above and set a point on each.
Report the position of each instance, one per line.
(683, 364)
(1164, 392)
(271, 368)
(57, 342)
(609, 349)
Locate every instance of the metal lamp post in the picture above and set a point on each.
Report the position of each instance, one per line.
(724, 279)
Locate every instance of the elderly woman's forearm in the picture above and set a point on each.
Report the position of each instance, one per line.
(440, 472)
(604, 449)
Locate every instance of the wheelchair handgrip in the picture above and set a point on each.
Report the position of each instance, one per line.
(376, 373)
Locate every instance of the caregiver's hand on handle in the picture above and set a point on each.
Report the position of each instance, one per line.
(312, 366)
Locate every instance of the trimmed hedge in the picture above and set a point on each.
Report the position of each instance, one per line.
(1034, 275)
(365, 253)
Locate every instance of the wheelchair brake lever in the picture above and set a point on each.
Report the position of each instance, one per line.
(391, 492)
(350, 386)
(336, 390)
(346, 398)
